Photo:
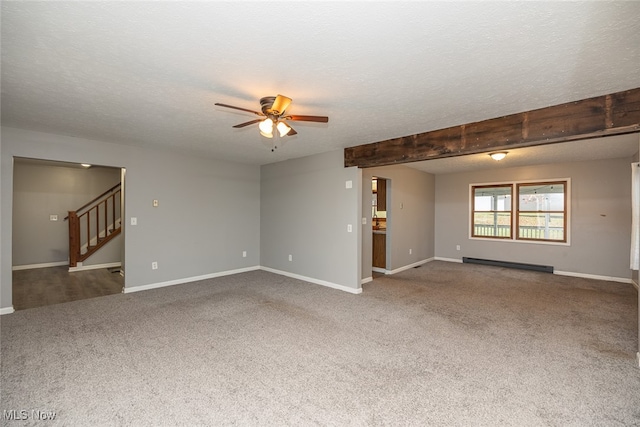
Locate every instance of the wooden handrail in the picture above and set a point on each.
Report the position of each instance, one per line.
(97, 198)
(104, 230)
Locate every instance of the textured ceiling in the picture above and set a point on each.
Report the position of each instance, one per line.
(612, 147)
(149, 73)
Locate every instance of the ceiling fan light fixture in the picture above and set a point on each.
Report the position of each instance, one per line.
(266, 126)
(283, 128)
(498, 155)
(272, 115)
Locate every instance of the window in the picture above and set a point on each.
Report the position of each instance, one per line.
(540, 211)
(492, 211)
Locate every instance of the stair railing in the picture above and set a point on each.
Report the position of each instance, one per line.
(94, 224)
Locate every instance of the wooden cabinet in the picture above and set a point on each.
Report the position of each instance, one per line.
(382, 194)
(380, 250)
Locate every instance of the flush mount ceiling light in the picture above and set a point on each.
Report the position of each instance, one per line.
(273, 108)
(498, 155)
(85, 165)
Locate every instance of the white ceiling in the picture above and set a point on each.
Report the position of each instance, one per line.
(612, 147)
(148, 73)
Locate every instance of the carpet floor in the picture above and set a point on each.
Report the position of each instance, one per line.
(445, 344)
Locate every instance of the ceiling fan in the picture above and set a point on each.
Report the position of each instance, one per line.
(273, 114)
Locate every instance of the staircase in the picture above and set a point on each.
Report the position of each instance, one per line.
(94, 225)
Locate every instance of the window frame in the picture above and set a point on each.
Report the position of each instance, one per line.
(564, 211)
(474, 211)
(515, 212)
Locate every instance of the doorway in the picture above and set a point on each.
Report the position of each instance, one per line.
(380, 223)
(44, 192)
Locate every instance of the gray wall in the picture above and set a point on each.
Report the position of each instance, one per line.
(40, 190)
(4, 301)
(209, 210)
(634, 273)
(304, 211)
(600, 218)
(410, 216)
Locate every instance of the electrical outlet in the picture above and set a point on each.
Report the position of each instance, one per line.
(155, 203)
(349, 228)
(154, 265)
(364, 221)
(244, 254)
(290, 257)
(457, 247)
(53, 217)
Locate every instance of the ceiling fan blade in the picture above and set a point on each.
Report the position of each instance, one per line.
(241, 125)
(292, 132)
(238, 108)
(321, 119)
(280, 104)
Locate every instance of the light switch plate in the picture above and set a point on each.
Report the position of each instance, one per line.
(53, 217)
(134, 220)
(348, 184)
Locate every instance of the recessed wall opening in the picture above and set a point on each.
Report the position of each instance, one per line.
(45, 194)
(380, 215)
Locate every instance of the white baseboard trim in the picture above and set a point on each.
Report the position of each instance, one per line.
(44, 265)
(128, 290)
(410, 266)
(403, 268)
(635, 284)
(366, 280)
(593, 276)
(438, 258)
(312, 280)
(81, 267)
(6, 310)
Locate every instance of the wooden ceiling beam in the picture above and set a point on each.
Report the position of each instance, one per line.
(613, 114)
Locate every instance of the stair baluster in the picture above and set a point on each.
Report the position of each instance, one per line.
(81, 238)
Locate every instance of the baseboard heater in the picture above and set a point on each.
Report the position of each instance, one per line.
(507, 264)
